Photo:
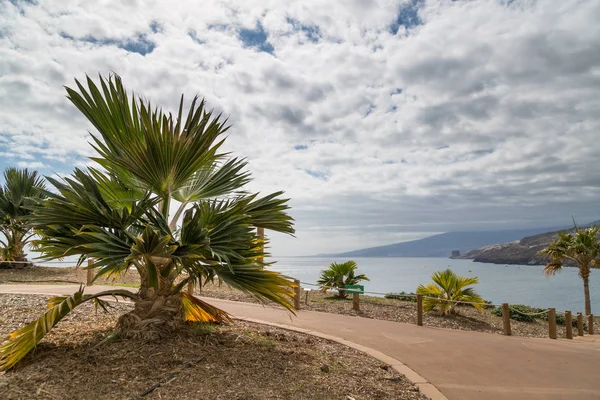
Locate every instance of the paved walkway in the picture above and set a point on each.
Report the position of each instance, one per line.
(461, 364)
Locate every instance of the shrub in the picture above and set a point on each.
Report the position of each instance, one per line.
(515, 311)
(403, 296)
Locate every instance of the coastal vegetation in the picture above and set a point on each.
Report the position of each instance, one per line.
(582, 248)
(21, 190)
(119, 213)
(447, 289)
(338, 275)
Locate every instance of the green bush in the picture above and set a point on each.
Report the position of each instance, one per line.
(402, 296)
(561, 320)
(515, 313)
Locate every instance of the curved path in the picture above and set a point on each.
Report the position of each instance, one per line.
(461, 364)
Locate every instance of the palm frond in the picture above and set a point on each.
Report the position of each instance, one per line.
(261, 283)
(22, 341)
(196, 310)
(447, 290)
(156, 148)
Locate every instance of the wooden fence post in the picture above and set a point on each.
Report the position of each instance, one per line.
(90, 272)
(579, 324)
(591, 324)
(420, 309)
(552, 323)
(506, 319)
(355, 300)
(569, 324)
(306, 292)
(297, 296)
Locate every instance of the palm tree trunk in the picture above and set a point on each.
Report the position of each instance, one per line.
(156, 313)
(152, 318)
(586, 293)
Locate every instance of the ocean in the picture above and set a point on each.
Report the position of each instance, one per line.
(514, 284)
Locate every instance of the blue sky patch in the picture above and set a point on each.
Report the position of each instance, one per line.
(312, 32)
(300, 147)
(396, 91)
(256, 38)
(316, 174)
(370, 110)
(139, 44)
(408, 16)
(194, 36)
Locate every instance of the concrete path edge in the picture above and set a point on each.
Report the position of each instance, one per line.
(423, 384)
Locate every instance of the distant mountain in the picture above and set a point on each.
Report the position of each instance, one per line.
(443, 244)
(524, 251)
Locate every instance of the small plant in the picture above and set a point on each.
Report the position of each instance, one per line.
(448, 288)
(203, 328)
(402, 296)
(340, 275)
(520, 312)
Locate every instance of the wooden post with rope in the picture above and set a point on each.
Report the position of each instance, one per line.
(506, 319)
(90, 272)
(420, 309)
(569, 324)
(552, 323)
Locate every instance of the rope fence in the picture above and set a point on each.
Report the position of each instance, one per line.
(506, 309)
(38, 264)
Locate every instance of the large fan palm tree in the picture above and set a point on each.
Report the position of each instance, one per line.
(149, 164)
(582, 248)
(338, 275)
(447, 289)
(21, 190)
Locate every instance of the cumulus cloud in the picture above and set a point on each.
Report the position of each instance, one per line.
(383, 120)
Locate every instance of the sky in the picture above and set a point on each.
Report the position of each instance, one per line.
(383, 121)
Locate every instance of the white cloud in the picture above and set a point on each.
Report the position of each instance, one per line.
(473, 115)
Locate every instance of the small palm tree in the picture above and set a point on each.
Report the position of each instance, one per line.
(120, 215)
(21, 190)
(340, 275)
(581, 247)
(448, 288)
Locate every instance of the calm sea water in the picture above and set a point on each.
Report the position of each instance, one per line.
(515, 284)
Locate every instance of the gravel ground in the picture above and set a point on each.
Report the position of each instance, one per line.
(240, 361)
(61, 275)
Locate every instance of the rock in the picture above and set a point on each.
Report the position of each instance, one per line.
(385, 367)
(348, 397)
(325, 368)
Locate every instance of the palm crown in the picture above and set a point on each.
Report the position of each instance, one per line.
(338, 275)
(21, 190)
(447, 289)
(581, 248)
(119, 212)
